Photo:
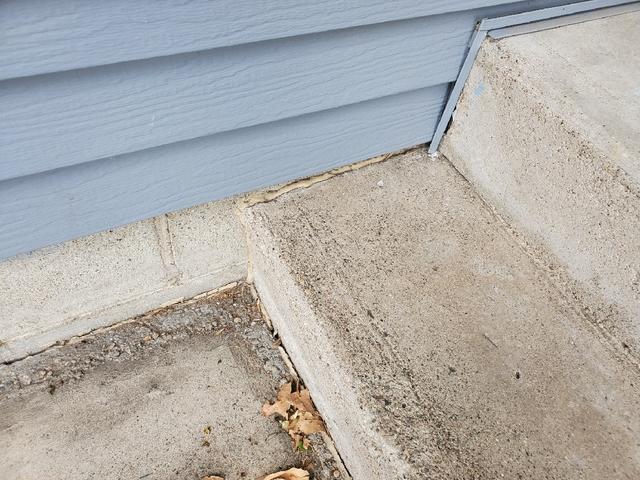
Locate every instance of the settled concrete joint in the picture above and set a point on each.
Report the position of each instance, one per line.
(167, 254)
(70, 289)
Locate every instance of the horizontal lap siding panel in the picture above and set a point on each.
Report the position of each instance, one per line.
(42, 36)
(61, 119)
(55, 206)
(57, 120)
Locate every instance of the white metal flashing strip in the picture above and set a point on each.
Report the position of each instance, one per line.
(520, 23)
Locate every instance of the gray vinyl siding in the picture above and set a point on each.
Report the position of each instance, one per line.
(112, 112)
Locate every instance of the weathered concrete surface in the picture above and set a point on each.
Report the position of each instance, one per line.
(548, 131)
(136, 401)
(433, 345)
(69, 289)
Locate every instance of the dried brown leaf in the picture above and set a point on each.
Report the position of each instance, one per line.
(278, 408)
(285, 392)
(300, 416)
(309, 424)
(212, 477)
(282, 403)
(302, 401)
(291, 474)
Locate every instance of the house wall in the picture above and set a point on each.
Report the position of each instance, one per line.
(114, 112)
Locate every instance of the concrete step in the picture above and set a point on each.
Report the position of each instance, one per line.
(433, 344)
(548, 131)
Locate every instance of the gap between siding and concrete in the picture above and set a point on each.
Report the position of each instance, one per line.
(67, 203)
(61, 292)
(146, 165)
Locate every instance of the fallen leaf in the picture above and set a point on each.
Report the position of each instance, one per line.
(302, 401)
(291, 474)
(309, 424)
(212, 477)
(282, 404)
(300, 418)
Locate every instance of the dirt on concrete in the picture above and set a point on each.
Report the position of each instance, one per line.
(173, 394)
(433, 344)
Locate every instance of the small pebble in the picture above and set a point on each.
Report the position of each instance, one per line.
(381, 184)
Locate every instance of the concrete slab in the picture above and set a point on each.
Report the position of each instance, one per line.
(175, 394)
(433, 345)
(548, 131)
(70, 289)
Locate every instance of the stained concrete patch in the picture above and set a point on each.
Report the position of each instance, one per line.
(433, 345)
(175, 394)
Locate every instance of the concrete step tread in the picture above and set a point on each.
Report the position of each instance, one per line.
(432, 344)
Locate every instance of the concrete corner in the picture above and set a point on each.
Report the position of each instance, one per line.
(173, 394)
